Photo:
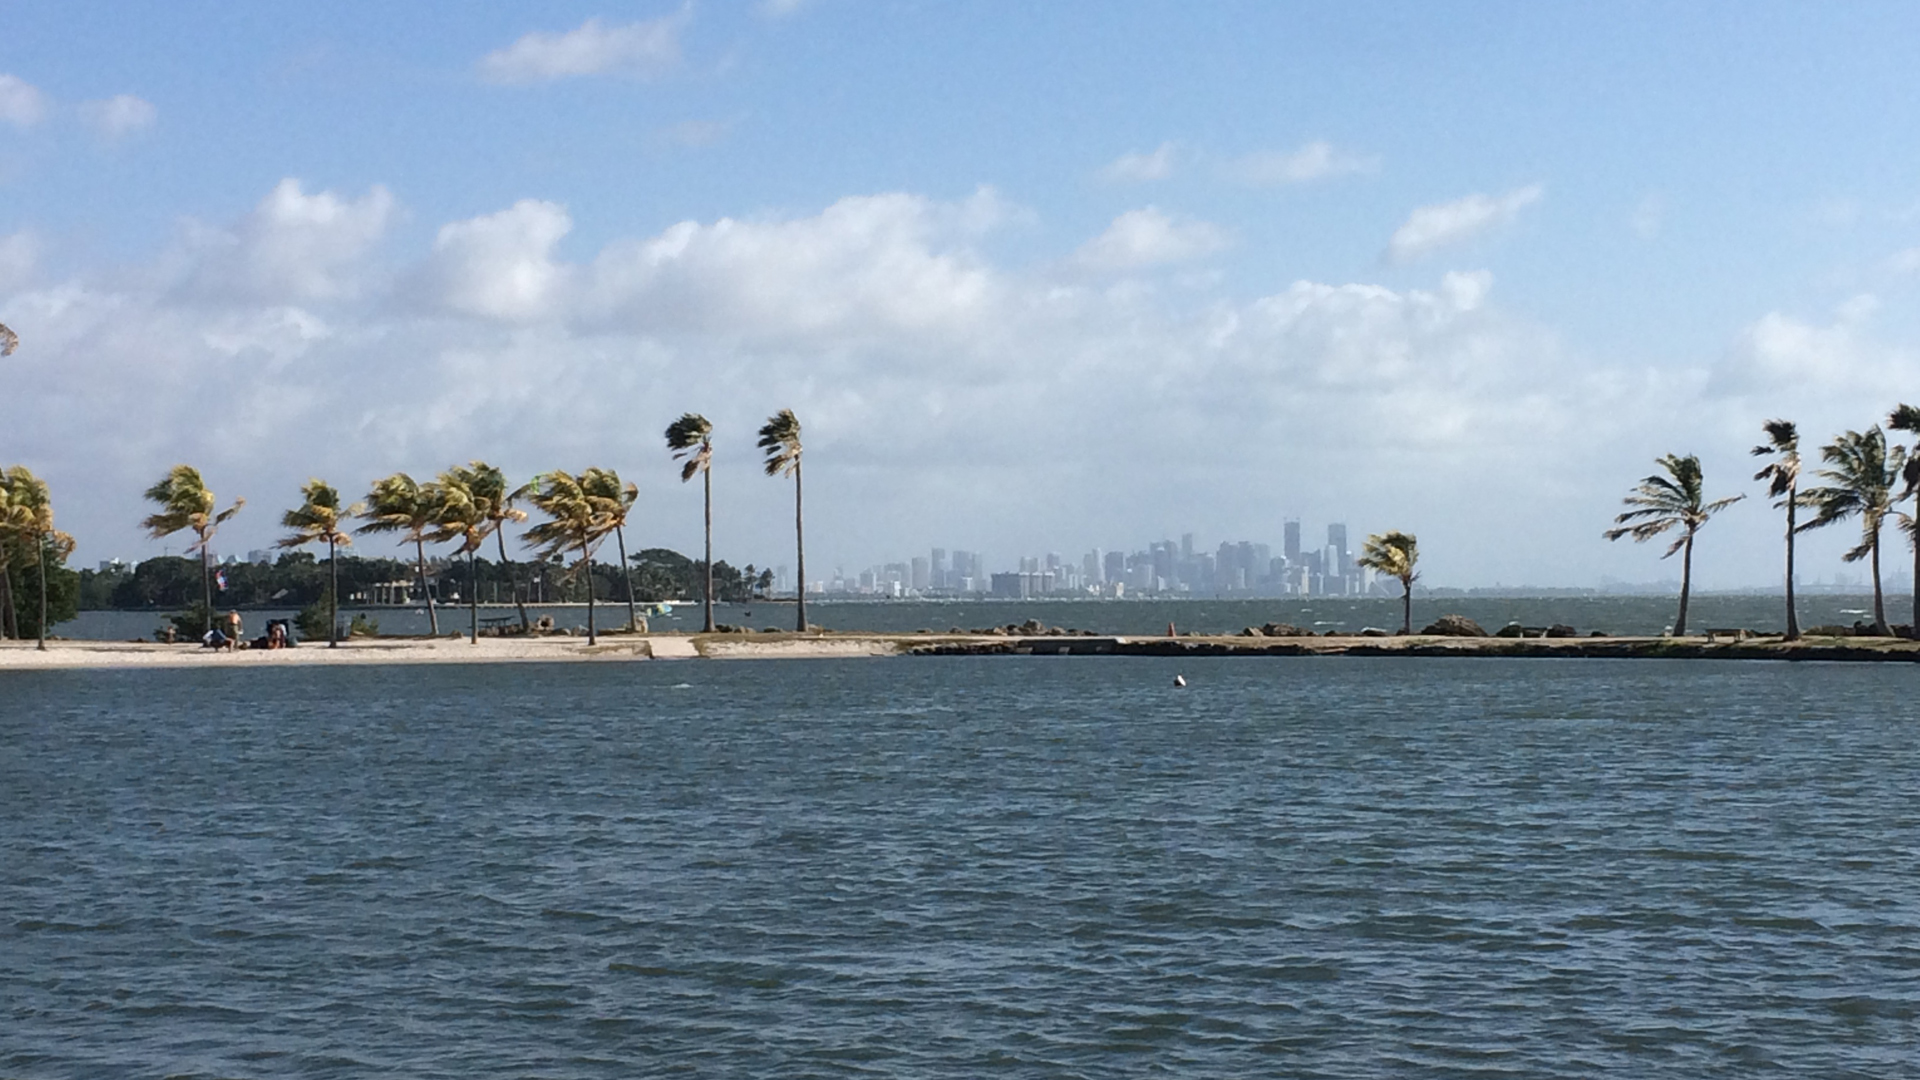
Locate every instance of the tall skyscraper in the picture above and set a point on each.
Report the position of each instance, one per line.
(1293, 542)
(1337, 538)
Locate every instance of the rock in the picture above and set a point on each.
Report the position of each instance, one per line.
(1598, 633)
(1828, 631)
(1252, 631)
(1454, 626)
(1374, 631)
(1280, 629)
(1562, 630)
(1511, 630)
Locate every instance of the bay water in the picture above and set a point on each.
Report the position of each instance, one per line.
(957, 867)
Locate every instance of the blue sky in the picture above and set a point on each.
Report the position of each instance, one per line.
(1036, 276)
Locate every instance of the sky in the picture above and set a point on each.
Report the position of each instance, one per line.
(1034, 276)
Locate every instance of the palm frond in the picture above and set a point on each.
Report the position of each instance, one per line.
(780, 438)
(9, 340)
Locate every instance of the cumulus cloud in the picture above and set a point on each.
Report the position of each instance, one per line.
(1148, 237)
(1135, 166)
(949, 397)
(118, 116)
(1443, 225)
(21, 103)
(1318, 160)
(640, 49)
(500, 266)
(292, 246)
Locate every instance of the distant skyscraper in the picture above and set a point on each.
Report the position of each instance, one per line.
(1186, 545)
(1090, 567)
(1337, 538)
(1293, 542)
(1116, 566)
(922, 575)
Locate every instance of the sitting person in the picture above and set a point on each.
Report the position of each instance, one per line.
(214, 639)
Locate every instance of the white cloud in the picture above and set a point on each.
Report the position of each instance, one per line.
(292, 246)
(1431, 228)
(1318, 160)
(1147, 237)
(641, 49)
(500, 266)
(118, 116)
(21, 103)
(1136, 166)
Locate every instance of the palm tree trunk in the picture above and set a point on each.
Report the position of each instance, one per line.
(1686, 586)
(1879, 603)
(799, 553)
(333, 596)
(473, 596)
(1913, 630)
(626, 571)
(1406, 608)
(9, 623)
(586, 564)
(1793, 616)
(513, 580)
(206, 582)
(43, 594)
(707, 601)
(420, 558)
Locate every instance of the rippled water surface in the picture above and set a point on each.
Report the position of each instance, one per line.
(963, 867)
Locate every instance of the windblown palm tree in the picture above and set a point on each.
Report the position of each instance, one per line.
(28, 510)
(1907, 418)
(780, 438)
(489, 489)
(9, 340)
(1395, 554)
(185, 503)
(577, 521)
(402, 504)
(317, 520)
(691, 440)
(1861, 477)
(462, 516)
(1783, 476)
(1663, 503)
(617, 501)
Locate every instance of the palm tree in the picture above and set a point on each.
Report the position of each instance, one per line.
(617, 501)
(317, 520)
(489, 489)
(9, 340)
(1861, 478)
(1907, 418)
(578, 521)
(462, 516)
(1395, 554)
(185, 503)
(12, 520)
(28, 510)
(1783, 474)
(780, 438)
(402, 504)
(691, 438)
(1662, 503)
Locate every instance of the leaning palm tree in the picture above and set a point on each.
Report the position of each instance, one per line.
(463, 516)
(691, 438)
(1783, 476)
(317, 520)
(488, 486)
(13, 519)
(1663, 503)
(617, 501)
(577, 521)
(1395, 554)
(402, 504)
(780, 438)
(1907, 418)
(1861, 479)
(29, 510)
(185, 503)
(9, 340)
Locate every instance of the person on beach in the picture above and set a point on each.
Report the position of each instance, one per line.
(234, 634)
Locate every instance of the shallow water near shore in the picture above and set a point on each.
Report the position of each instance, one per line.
(1025, 866)
(1624, 615)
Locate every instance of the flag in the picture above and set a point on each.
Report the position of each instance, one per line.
(220, 578)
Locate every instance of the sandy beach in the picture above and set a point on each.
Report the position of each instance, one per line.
(23, 656)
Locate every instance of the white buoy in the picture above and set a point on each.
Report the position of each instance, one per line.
(1179, 680)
